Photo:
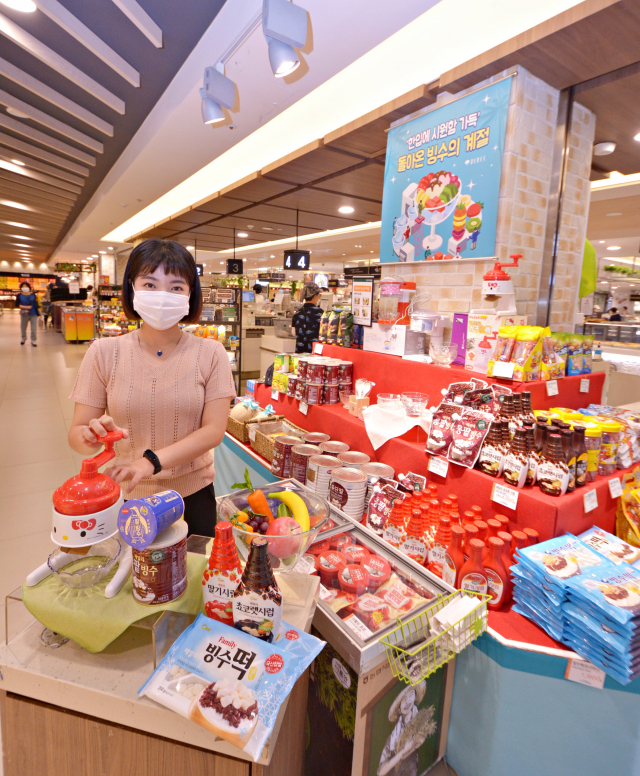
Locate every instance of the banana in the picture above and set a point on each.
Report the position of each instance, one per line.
(297, 507)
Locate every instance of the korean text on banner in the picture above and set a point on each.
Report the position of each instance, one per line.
(442, 179)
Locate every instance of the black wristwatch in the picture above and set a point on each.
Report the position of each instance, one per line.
(151, 456)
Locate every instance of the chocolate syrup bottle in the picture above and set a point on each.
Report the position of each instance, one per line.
(567, 446)
(257, 601)
(516, 464)
(553, 471)
(527, 409)
(580, 450)
(532, 454)
(491, 458)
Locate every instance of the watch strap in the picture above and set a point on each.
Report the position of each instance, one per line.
(153, 458)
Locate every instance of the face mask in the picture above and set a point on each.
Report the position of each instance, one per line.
(25, 291)
(160, 309)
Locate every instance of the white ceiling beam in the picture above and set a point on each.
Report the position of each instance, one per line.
(48, 121)
(27, 81)
(40, 153)
(11, 222)
(138, 16)
(34, 164)
(41, 137)
(59, 14)
(15, 33)
(50, 203)
(26, 172)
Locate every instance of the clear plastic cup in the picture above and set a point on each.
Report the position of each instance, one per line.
(414, 403)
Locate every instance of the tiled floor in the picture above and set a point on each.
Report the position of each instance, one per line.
(34, 455)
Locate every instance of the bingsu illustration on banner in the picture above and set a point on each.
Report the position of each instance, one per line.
(442, 180)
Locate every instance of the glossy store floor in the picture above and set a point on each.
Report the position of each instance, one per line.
(35, 414)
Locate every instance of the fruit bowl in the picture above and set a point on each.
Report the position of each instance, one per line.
(286, 549)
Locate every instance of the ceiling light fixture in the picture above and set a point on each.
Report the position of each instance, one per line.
(637, 137)
(345, 209)
(218, 91)
(26, 6)
(613, 247)
(102, 253)
(18, 162)
(284, 25)
(191, 247)
(605, 282)
(16, 205)
(614, 214)
(241, 234)
(17, 113)
(110, 248)
(603, 149)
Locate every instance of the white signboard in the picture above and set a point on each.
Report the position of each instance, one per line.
(74, 287)
(362, 300)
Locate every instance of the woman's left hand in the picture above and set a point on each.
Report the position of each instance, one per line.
(133, 471)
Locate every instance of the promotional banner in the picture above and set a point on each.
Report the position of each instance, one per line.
(442, 180)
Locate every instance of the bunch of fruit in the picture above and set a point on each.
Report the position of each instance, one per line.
(436, 190)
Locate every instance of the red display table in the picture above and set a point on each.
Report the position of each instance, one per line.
(548, 515)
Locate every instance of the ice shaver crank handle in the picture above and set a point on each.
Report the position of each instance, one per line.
(108, 440)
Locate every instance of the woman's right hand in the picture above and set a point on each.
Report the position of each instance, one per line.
(98, 427)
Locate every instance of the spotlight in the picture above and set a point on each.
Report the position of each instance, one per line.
(26, 6)
(218, 92)
(284, 25)
(603, 149)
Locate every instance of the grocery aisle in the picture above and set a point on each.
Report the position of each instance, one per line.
(34, 455)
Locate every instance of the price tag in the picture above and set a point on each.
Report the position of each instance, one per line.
(438, 465)
(317, 348)
(358, 627)
(508, 497)
(552, 388)
(584, 385)
(324, 593)
(583, 672)
(503, 369)
(615, 487)
(590, 500)
(275, 396)
(303, 566)
(252, 433)
(304, 407)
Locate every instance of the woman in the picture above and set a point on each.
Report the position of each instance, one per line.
(27, 301)
(168, 391)
(401, 758)
(306, 321)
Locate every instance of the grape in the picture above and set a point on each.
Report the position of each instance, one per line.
(264, 526)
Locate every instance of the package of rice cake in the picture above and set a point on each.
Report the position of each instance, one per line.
(229, 682)
(613, 591)
(611, 547)
(559, 559)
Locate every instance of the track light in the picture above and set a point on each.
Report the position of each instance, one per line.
(218, 92)
(284, 25)
(282, 58)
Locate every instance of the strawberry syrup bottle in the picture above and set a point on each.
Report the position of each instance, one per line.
(473, 577)
(394, 529)
(415, 544)
(468, 518)
(221, 575)
(498, 584)
(494, 526)
(471, 532)
(441, 541)
(532, 536)
(520, 540)
(507, 540)
(453, 557)
(433, 517)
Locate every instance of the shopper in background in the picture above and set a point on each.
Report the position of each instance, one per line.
(27, 301)
(615, 315)
(306, 321)
(259, 296)
(46, 306)
(168, 391)
(90, 293)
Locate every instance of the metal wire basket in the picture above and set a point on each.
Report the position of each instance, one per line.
(414, 653)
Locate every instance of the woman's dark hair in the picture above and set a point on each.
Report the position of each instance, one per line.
(173, 258)
(24, 283)
(257, 288)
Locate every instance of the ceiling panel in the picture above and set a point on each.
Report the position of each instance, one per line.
(81, 114)
(313, 165)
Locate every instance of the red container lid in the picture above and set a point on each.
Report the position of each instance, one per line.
(328, 565)
(90, 492)
(357, 581)
(354, 553)
(379, 570)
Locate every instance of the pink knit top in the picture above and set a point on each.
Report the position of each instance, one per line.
(158, 404)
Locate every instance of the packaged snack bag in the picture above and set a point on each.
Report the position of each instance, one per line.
(398, 595)
(374, 612)
(345, 329)
(229, 682)
(334, 321)
(456, 392)
(441, 425)
(610, 547)
(324, 327)
(336, 599)
(526, 339)
(559, 559)
(412, 482)
(505, 343)
(467, 436)
(575, 359)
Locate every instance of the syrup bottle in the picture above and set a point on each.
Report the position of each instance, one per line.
(471, 532)
(454, 503)
(517, 409)
(446, 506)
(580, 450)
(483, 530)
(520, 540)
(553, 471)
(494, 526)
(496, 575)
(516, 464)
(414, 544)
(257, 601)
(541, 436)
(477, 511)
(468, 517)
(441, 541)
(567, 446)
(507, 540)
(473, 577)
(533, 537)
(394, 529)
(433, 517)
(453, 557)
(221, 575)
(503, 520)
(491, 458)
(532, 455)
(527, 409)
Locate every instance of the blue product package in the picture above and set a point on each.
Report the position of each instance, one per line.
(613, 590)
(561, 559)
(624, 661)
(611, 547)
(533, 584)
(229, 682)
(141, 520)
(628, 631)
(530, 614)
(540, 607)
(607, 666)
(601, 631)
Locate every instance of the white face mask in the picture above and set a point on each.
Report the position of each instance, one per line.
(25, 291)
(160, 309)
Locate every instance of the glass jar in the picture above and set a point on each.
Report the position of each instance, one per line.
(592, 441)
(611, 434)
